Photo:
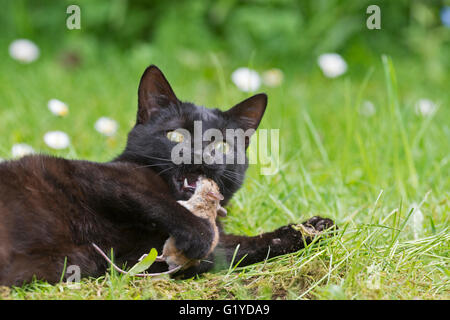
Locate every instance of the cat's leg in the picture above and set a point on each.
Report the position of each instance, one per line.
(192, 235)
(284, 240)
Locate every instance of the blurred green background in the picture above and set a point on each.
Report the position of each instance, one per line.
(288, 34)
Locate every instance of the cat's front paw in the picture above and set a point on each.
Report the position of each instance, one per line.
(315, 227)
(195, 243)
(320, 224)
(293, 237)
(175, 258)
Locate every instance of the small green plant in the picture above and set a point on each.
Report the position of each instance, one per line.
(144, 264)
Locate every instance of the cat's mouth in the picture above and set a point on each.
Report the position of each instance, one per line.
(186, 184)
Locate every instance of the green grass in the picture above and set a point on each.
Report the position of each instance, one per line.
(364, 172)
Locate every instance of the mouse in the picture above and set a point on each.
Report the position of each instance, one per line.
(204, 203)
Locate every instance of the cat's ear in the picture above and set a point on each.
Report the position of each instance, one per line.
(154, 93)
(249, 112)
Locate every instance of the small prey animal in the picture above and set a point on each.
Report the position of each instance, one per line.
(204, 203)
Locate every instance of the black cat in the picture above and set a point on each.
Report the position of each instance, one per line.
(53, 209)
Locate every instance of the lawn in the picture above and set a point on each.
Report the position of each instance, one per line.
(381, 172)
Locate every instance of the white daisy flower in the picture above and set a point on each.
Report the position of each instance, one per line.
(106, 126)
(58, 107)
(246, 79)
(23, 50)
(425, 107)
(332, 64)
(57, 140)
(20, 150)
(273, 77)
(373, 279)
(367, 108)
(416, 220)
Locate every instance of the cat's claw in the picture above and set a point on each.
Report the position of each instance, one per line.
(160, 258)
(315, 226)
(319, 224)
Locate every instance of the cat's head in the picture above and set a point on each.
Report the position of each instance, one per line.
(164, 123)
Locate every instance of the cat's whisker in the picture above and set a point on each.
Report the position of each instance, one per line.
(157, 158)
(150, 157)
(234, 177)
(227, 174)
(225, 189)
(231, 180)
(165, 170)
(237, 174)
(222, 185)
(153, 165)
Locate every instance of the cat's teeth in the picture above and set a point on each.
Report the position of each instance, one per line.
(186, 184)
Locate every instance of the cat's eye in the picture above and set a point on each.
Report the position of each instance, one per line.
(175, 136)
(222, 147)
